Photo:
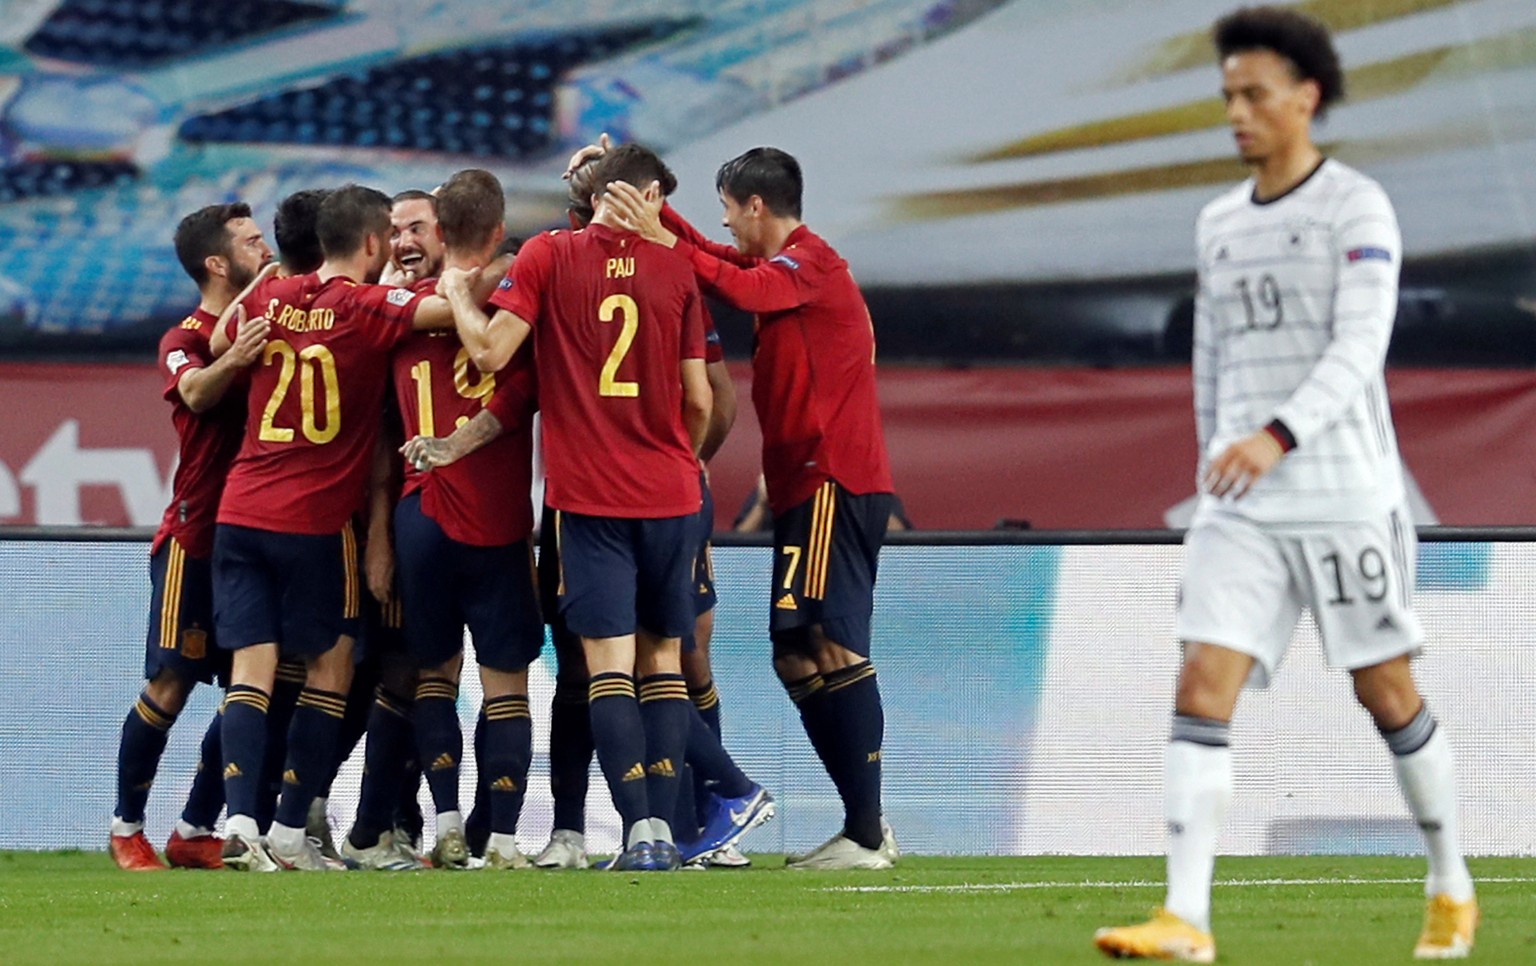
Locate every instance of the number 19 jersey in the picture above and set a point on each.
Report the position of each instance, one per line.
(613, 316)
(1294, 312)
(316, 398)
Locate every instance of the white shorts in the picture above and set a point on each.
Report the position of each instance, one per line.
(1244, 587)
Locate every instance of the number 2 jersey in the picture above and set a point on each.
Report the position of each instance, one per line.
(315, 403)
(613, 317)
(1292, 319)
(484, 499)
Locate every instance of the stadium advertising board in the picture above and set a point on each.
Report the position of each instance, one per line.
(1027, 699)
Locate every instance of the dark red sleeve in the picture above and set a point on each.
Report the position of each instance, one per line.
(679, 226)
(787, 280)
(389, 312)
(714, 351)
(522, 291)
(694, 342)
(181, 351)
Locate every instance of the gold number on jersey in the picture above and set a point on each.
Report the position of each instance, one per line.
(625, 307)
(300, 361)
(481, 388)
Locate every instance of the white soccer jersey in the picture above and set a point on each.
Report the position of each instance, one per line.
(1294, 312)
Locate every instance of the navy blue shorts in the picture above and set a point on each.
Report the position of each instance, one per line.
(181, 637)
(826, 553)
(381, 629)
(446, 585)
(617, 575)
(298, 590)
(704, 597)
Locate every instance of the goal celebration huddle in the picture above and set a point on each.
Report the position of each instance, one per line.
(357, 420)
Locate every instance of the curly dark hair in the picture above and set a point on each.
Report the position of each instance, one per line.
(1302, 40)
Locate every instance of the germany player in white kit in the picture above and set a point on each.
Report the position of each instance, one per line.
(1302, 499)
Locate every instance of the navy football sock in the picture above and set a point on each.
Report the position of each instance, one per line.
(355, 723)
(286, 685)
(853, 702)
(685, 814)
(666, 714)
(439, 741)
(810, 697)
(508, 753)
(570, 753)
(477, 824)
(408, 815)
(145, 731)
(206, 797)
(389, 735)
(311, 758)
(710, 762)
(244, 744)
(619, 736)
(707, 701)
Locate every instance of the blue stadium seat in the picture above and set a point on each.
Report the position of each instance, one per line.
(133, 34)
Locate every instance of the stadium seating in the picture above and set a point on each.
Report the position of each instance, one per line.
(133, 34)
(487, 101)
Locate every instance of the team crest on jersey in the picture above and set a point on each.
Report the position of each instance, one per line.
(194, 643)
(399, 297)
(1297, 234)
(176, 361)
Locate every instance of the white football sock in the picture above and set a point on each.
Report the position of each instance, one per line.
(187, 830)
(449, 822)
(1428, 780)
(120, 827)
(243, 826)
(639, 832)
(502, 843)
(285, 838)
(1197, 789)
(661, 831)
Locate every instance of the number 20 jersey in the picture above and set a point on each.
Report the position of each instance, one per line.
(316, 399)
(1292, 319)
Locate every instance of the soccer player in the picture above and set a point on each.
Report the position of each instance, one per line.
(416, 245)
(620, 361)
(285, 570)
(222, 249)
(1303, 498)
(824, 460)
(463, 548)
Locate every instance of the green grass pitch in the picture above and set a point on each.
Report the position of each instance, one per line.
(58, 908)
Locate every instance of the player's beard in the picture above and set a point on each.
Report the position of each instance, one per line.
(240, 276)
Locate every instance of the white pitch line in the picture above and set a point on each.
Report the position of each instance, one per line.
(1144, 884)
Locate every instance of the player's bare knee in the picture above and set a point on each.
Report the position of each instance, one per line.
(793, 654)
(495, 683)
(331, 671)
(658, 655)
(254, 666)
(1210, 681)
(1387, 691)
(169, 691)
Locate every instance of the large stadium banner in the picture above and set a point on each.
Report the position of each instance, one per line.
(945, 141)
(1027, 693)
(1060, 448)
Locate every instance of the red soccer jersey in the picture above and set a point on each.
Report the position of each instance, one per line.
(315, 401)
(813, 369)
(484, 499)
(613, 316)
(208, 440)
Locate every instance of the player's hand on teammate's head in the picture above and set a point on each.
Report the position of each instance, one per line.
(250, 338)
(588, 153)
(456, 280)
(637, 210)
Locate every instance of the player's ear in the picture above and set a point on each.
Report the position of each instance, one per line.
(217, 266)
(437, 229)
(1312, 96)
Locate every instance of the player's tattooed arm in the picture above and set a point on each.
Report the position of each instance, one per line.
(434, 452)
(202, 388)
(491, 341)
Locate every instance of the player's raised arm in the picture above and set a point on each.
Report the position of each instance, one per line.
(1368, 252)
(491, 341)
(225, 330)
